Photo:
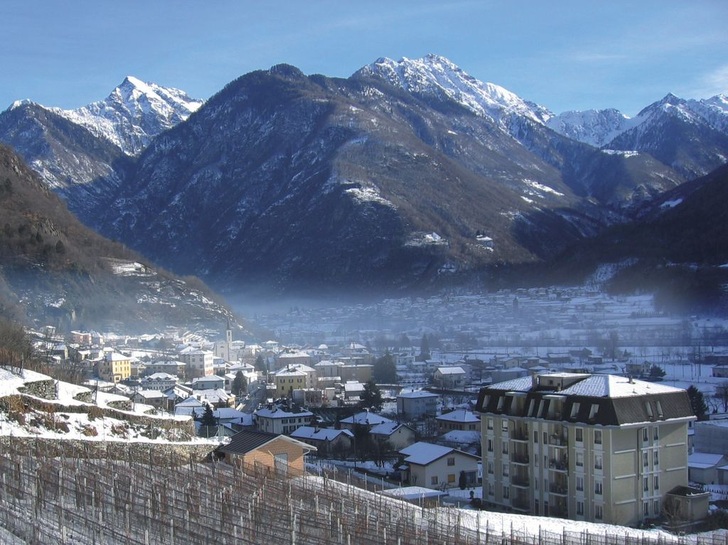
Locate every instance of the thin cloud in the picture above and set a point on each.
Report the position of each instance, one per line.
(710, 84)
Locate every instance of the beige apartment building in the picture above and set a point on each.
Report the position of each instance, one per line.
(599, 448)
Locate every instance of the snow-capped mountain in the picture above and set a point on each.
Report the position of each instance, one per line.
(134, 113)
(436, 77)
(83, 154)
(402, 172)
(594, 127)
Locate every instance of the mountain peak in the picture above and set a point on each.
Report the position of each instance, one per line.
(437, 77)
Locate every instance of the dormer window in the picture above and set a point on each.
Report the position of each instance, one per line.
(593, 410)
(575, 409)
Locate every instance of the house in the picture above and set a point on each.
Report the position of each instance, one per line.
(449, 378)
(113, 367)
(274, 419)
(253, 450)
(189, 407)
(396, 435)
(459, 419)
(159, 381)
(211, 382)
(363, 418)
(218, 398)
(328, 441)
(198, 363)
(353, 390)
(439, 467)
(417, 404)
(153, 398)
(608, 447)
(294, 377)
(704, 468)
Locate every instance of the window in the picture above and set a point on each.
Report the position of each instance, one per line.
(657, 482)
(598, 488)
(598, 512)
(646, 509)
(506, 493)
(580, 459)
(593, 410)
(659, 409)
(648, 408)
(645, 436)
(491, 489)
(451, 461)
(505, 448)
(645, 484)
(490, 423)
(504, 425)
(580, 508)
(645, 459)
(490, 468)
(574, 410)
(579, 435)
(535, 437)
(505, 470)
(500, 404)
(597, 437)
(656, 506)
(656, 430)
(580, 483)
(597, 461)
(656, 459)
(490, 445)
(433, 480)
(451, 478)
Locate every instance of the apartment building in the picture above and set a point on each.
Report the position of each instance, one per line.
(599, 448)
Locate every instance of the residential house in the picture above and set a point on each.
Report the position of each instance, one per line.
(417, 404)
(153, 398)
(704, 468)
(159, 381)
(363, 418)
(294, 377)
(211, 382)
(396, 435)
(113, 367)
(459, 419)
(449, 378)
(171, 367)
(439, 467)
(276, 420)
(254, 450)
(585, 447)
(198, 363)
(328, 441)
(190, 407)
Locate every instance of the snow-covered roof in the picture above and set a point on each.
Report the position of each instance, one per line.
(461, 437)
(459, 415)
(704, 460)
(450, 370)
(413, 493)
(319, 434)
(366, 418)
(422, 453)
(385, 428)
(280, 413)
(416, 394)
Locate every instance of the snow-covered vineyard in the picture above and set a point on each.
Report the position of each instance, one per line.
(140, 499)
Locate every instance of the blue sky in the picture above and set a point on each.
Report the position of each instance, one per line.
(565, 55)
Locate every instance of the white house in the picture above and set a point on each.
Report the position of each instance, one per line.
(439, 467)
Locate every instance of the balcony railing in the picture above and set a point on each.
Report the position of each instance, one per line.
(523, 482)
(520, 459)
(558, 490)
(520, 435)
(559, 465)
(558, 440)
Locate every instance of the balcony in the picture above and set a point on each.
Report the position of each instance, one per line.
(557, 440)
(521, 459)
(521, 504)
(558, 490)
(559, 464)
(519, 435)
(521, 482)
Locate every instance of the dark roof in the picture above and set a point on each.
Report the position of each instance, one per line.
(597, 399)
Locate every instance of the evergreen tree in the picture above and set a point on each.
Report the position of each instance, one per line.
(697, 402)
(424, 348)
(239, 384)
(384, 370)
(371, 397)
(208, 417)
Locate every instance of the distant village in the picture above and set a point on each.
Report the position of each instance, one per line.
(571, 433)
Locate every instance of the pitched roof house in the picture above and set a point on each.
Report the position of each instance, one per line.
(255, 450)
